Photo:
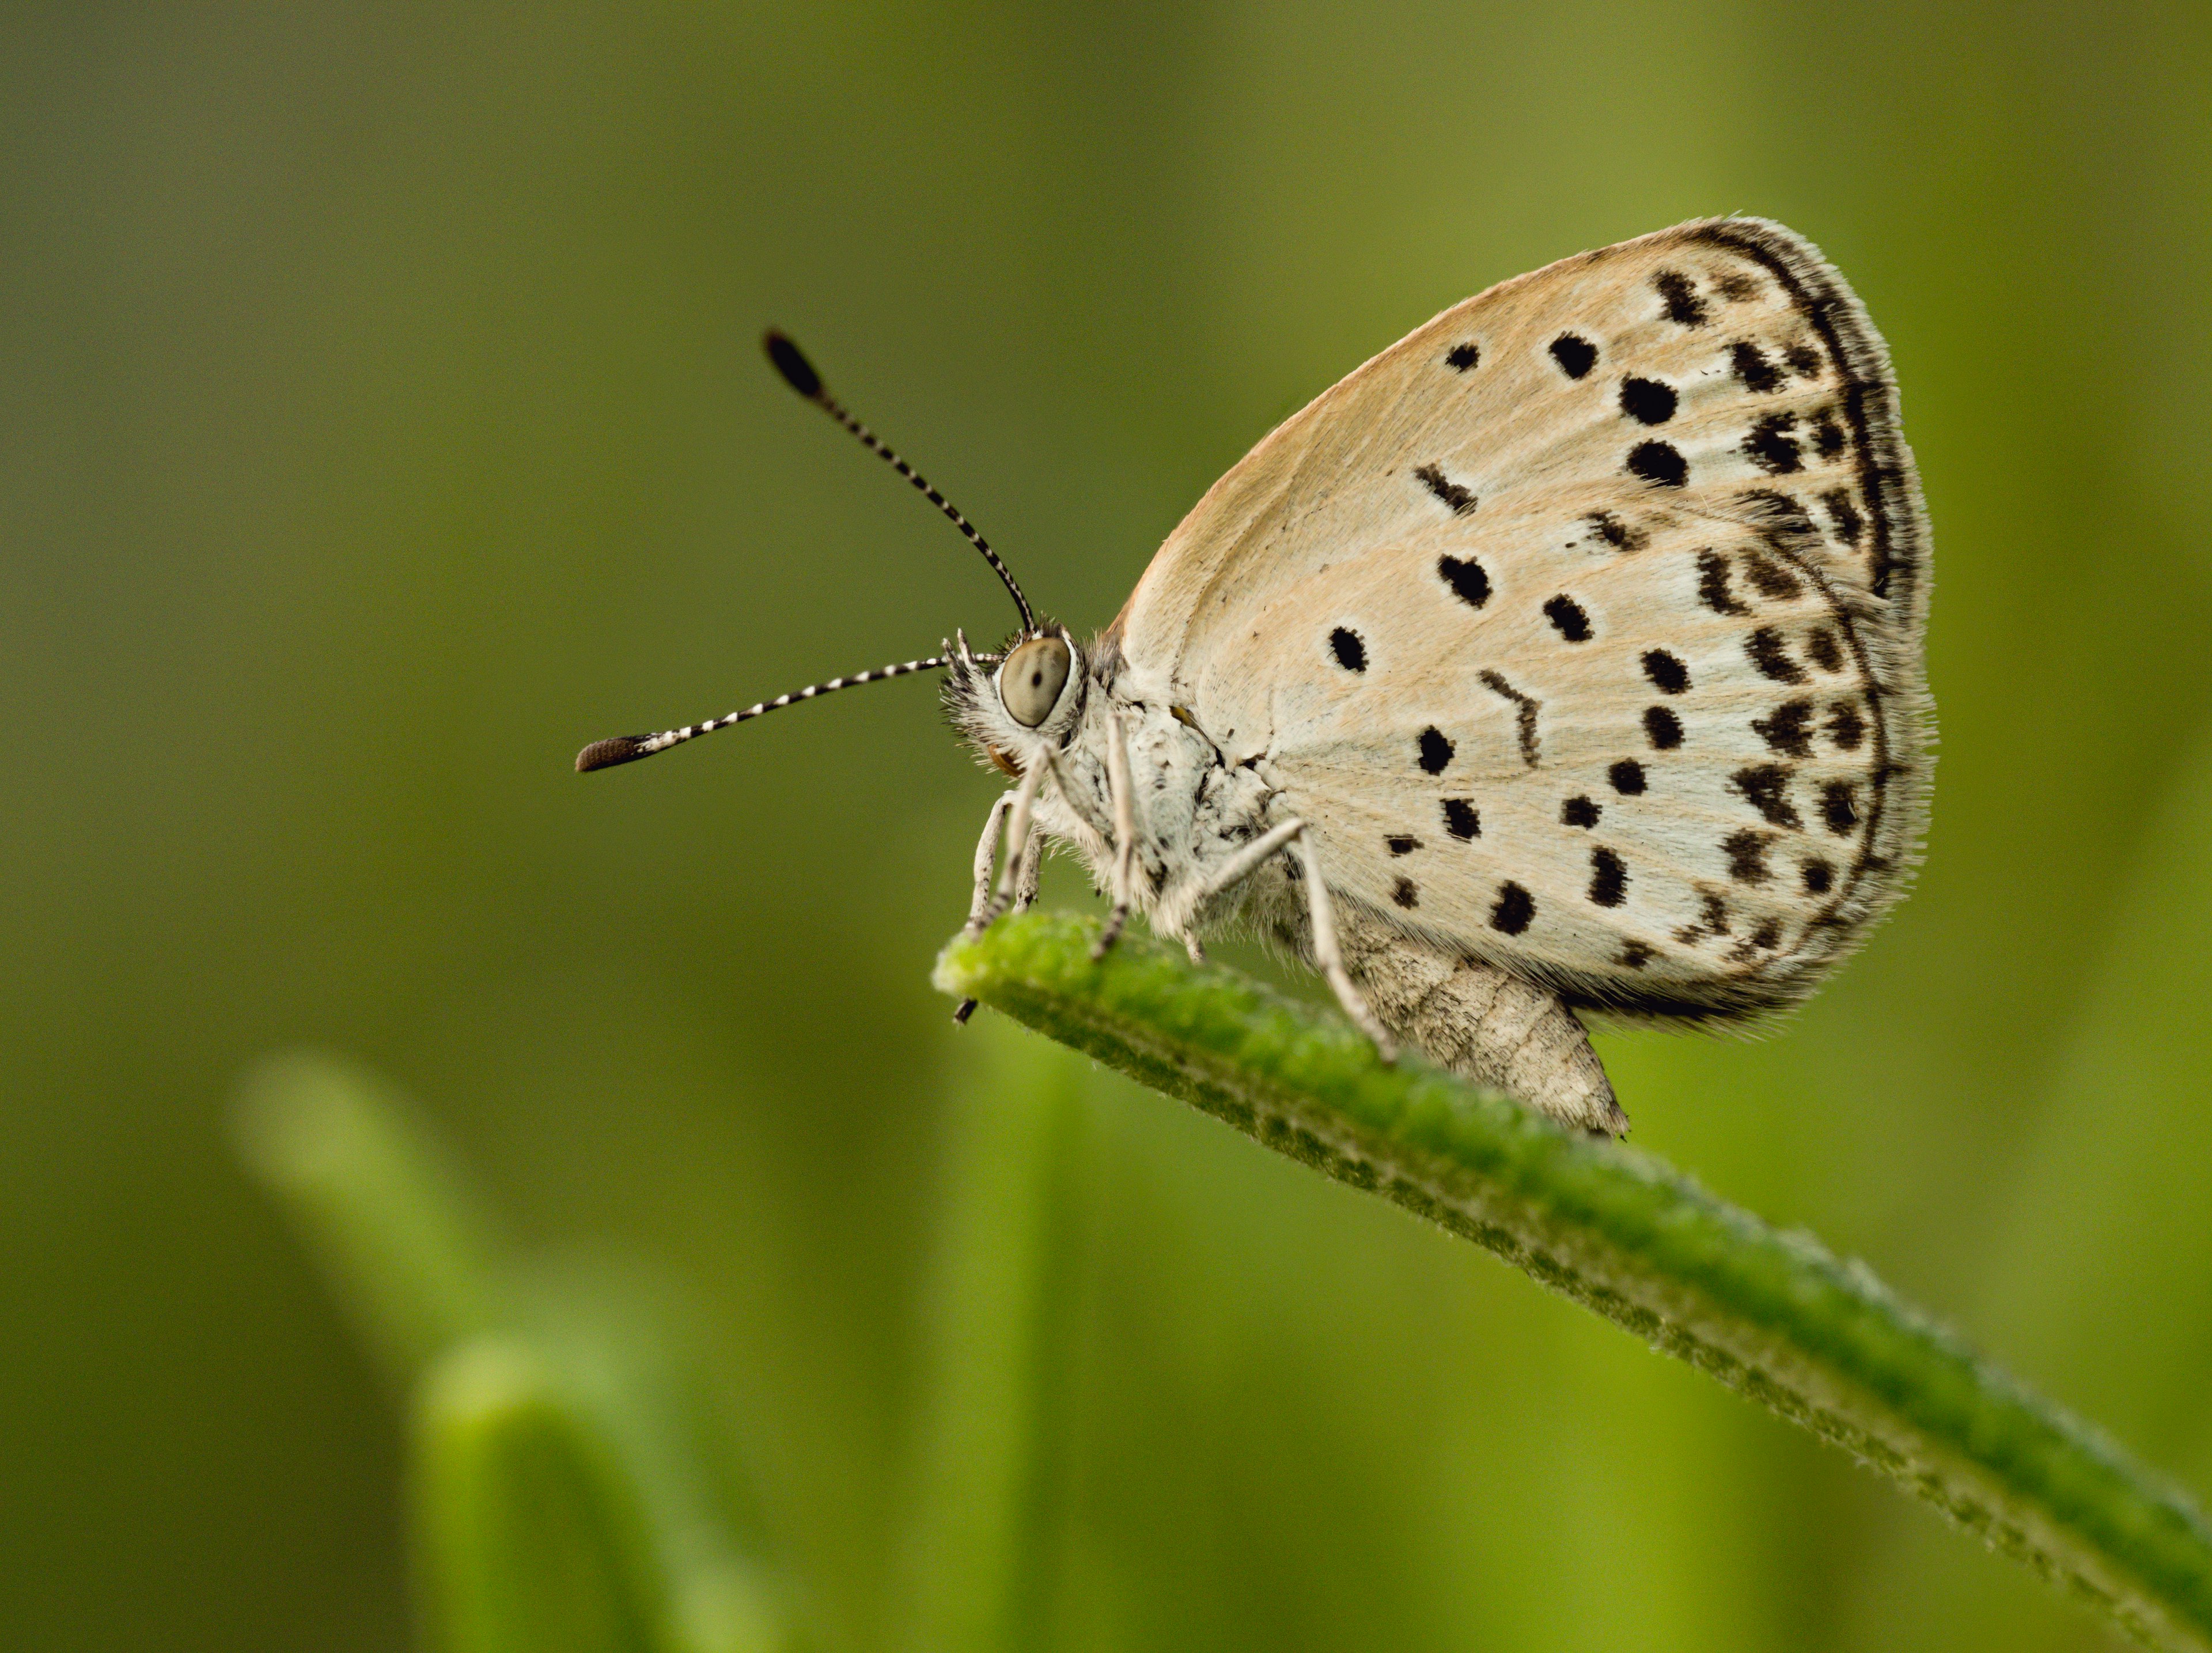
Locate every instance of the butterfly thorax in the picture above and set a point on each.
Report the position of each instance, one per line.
(1193, 808)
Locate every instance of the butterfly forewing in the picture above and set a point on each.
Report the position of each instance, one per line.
(1584, 623)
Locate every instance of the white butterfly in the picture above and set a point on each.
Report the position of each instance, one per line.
(1565, 657)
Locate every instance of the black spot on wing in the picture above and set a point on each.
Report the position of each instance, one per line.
(1662, 729)
(1681, 296)
(1432, 476)
(1579, 812)
(1771, 577)
(1827, 653)
(1788, 730)
(1668, 673)
(1461, 819)
(1713, 585)
(1747, 856)
(1845, 514)
(1626, 776)
(1771, 656)
(1804, 360)
(1514, 910)
(1736, 287)
(1525, 709)
(1436, 751)
(1404, 893)
(1401, 844)
(1615, 533)
(1462, 357)
(1351, 652)
(1635, 955)
(1772, 448)
(1568, 618)
(1647, 401)
(1828, 437)
(1609, 878)
(1845, 727)
(1760, 377)
(1818, 876)
(1781, 519)
(1466, 578)
(1712, 920)
(1839, 808)
(1765, 788)
(1576, 354)
(1660, 464)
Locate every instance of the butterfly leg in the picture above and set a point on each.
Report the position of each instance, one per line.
(1024, 896)
(1241, 865)
(1025, 886)
(987, 861)
(1329, 956)
(1124, 833)
(987, 864)
(1018, 826)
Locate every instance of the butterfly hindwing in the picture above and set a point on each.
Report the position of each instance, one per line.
(1584, 623)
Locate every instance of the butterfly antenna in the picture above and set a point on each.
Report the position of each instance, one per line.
(799, 373)
(628, 749)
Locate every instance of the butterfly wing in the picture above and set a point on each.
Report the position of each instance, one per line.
(1584, 623)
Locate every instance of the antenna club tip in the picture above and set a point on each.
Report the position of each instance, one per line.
(605, 754)
(791, 361)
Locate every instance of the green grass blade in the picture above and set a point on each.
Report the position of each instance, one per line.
(1771, 1315)
(377, 1200)
(525, 1542)
(973, 1546)
(639, 1395)
(521, 1374)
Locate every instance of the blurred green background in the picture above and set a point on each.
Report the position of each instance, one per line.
(383, 420)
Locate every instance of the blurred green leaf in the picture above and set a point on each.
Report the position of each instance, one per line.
(1771, 1315)
(399, 1236)
(2098, 1274)
(526, 1541)
(972, 1560)
(571, 1489)
(622, 1374)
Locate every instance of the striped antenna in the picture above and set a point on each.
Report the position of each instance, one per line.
(628, 749)
(799, 373)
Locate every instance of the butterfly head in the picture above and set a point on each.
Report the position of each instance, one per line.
(1030, 695)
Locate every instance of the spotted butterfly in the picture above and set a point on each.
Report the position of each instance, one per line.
(1564, 657)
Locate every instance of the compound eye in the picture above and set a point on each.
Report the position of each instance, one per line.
(1030, 681)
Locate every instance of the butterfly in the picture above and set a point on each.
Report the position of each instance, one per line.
(1563, 659)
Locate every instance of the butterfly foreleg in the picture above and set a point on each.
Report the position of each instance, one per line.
(1025, 884)
(1032, 860)
(1123, 788)
(987, 862)
(1021, 819)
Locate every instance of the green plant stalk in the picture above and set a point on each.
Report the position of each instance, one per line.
(380, 1203)
(1774, 1316)
(972, 1558)
(552, 1415)
(524, 1541)
(626, 1388)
